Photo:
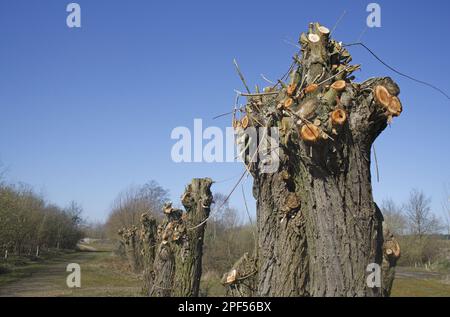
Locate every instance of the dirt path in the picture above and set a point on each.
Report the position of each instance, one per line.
(103, 274)
(415, 282)
(100, 276)
(404, 272)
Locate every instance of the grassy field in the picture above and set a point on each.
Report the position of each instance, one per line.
(420, 288)
(105, 274)
(102, 274)
(412, 282)
(409, 282)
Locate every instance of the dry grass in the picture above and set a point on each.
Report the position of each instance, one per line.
(420, 288)
(416, 282)
(102, 274)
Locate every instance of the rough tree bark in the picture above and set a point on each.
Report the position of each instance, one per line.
(148, 238)
(318, 225)
(178, 262)
(131, 243)
(391, 253)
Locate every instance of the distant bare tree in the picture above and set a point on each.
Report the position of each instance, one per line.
(227, 237)
(94, 230)
(131, 203)
(224, 213)
(421, 220)
(394, 218)
(446, 207)
(74, 211)
(2, 172)
(154, 195)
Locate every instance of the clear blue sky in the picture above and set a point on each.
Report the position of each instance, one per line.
(86, 112)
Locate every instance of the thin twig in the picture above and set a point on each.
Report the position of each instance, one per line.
(248, 214)
(257, 94)
(241, 75)
(268, 80)
(226, 179)
(257, 121)
(289, 70)
(246, 276)
(338, 21)
(398, 72)
(319, 76)
(236, 100)
(338, 73)
(292, 43)
(362, 34)
(301, 84)
(223, 114)
(286, 74)
(376, 162)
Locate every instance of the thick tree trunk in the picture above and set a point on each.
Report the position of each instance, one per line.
(282, 265)
(197, 201)
(391, 253)
(179, 256)
(164, 267)
(148, 238)
(131, 243)
(318, 226)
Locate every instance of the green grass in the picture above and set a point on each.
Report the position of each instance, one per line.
(411, 287)
(419, 282)
(211, 286)
(106, 276)
(102, 274)
(19, 267)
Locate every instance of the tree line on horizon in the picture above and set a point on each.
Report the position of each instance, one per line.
(228, 235)
(421, 233)
(30, 225)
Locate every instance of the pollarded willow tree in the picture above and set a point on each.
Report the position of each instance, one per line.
(178, 254)
(318, 225)
(169, 255)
